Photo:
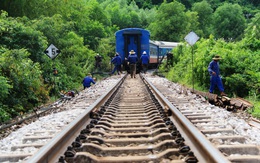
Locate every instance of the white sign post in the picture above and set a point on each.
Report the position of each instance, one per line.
(192, 38)
(53, 52)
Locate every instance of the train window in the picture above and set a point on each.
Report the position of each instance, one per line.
(128, 40)
(153, 51)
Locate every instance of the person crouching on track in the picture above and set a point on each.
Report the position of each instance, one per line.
(145, 60)
(87, 81)
(132, 60)
(117, 63)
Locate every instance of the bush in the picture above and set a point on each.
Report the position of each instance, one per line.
(4, 116)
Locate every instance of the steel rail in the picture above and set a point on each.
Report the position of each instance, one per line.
(58, 145)
(199, 144)
(8, 125)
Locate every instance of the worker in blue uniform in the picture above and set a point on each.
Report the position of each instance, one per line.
(215, 78)
(87, 81)
(132, 60)
(117, 64)
(145, 60)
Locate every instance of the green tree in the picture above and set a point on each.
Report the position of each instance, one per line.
(252, 34)
(239, 66)
(86, 26)
(34, 9)
(229, 22)
(74, 52)
(192, 22)
(4, 89)
(107, 49)
(147, 16)
(4, 92)
(122, 14)
(53, 28)
(16, 35)
(31, 9)
(70, 63)
(97, 13)
(26, 84)
(171, 22)
(251, 42)
(205, 13)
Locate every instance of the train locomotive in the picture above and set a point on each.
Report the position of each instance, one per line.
(138, 39)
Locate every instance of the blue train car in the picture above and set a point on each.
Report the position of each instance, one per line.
(154, 53)
(138, 39)
(159, 50)
(128, 39)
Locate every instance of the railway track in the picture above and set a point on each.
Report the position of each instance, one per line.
(224, 135)
(130, 124)
(28, 135)
(134, 122)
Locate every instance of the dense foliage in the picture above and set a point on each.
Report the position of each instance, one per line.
(82, 28)
(239, 65)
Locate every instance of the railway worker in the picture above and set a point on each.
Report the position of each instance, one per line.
(98, 60)
(132, 60)
(87, 81)
(215, 78)
(117, 64)
(169, 59)
(145, 60)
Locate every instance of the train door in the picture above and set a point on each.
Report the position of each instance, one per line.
(132, 42)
